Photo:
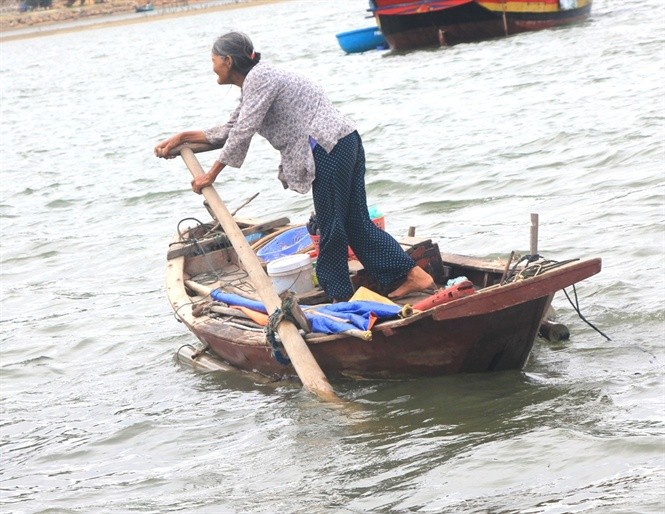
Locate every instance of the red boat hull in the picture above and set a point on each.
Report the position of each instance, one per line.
(452, 22)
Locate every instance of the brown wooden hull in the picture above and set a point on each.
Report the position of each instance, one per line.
(493, 329)
(488, 342)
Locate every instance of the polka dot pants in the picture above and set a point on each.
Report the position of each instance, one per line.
(341, 212)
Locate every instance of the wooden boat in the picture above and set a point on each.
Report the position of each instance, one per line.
(491, 327)
(144, 8)
(420, 23)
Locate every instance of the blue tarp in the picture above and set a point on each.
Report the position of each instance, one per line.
(328, 319)
(237, 300)
(349, 316)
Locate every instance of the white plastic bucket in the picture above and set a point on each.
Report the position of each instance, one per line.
(292, 273)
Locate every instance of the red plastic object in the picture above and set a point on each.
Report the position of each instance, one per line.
(464, 288)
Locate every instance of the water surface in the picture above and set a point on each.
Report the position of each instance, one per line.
(463, 143)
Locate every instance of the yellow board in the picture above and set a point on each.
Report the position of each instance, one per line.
(515, 6)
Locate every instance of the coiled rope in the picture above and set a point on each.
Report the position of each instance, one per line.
(281, 313)
(535, 265)
(220, 239)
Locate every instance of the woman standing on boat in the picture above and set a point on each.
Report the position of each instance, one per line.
(320, 149)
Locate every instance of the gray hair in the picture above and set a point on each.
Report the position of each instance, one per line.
(239, 47)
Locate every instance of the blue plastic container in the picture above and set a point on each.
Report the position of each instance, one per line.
(287, 243)
(361, 40)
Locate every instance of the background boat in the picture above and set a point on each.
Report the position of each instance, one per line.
(145, 8)
(421, 23)
(361, 40)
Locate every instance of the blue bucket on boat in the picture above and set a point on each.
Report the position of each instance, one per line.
(361, 40)
(286, 243)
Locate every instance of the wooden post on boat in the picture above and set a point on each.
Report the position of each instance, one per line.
(303, 361)
(534, 234)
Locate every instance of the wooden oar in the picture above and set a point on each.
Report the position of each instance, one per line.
(303, 361)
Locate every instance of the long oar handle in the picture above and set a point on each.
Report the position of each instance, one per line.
(303, 361)
(195, 147)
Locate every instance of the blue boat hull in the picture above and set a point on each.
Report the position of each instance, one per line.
(361, 40)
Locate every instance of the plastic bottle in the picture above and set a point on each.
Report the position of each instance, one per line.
(374, 212)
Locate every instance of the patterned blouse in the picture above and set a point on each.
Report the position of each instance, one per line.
(287, 109)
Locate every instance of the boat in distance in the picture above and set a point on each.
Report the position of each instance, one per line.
(361, 40)
(406, 25)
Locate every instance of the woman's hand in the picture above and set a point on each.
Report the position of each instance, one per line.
(162, 149)
(206, 180)
(191, 136)
(202, 181)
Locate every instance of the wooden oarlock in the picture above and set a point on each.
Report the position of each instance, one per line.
(308, 370)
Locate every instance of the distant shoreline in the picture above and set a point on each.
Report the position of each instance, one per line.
(59, 20)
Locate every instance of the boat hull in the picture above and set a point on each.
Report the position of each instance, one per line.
(361, 40)
(468, 22)
(489, 342)
(493, 329)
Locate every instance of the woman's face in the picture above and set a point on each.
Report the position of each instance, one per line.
(221, 65)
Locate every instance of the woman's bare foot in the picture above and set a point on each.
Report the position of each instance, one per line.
(416, 280)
